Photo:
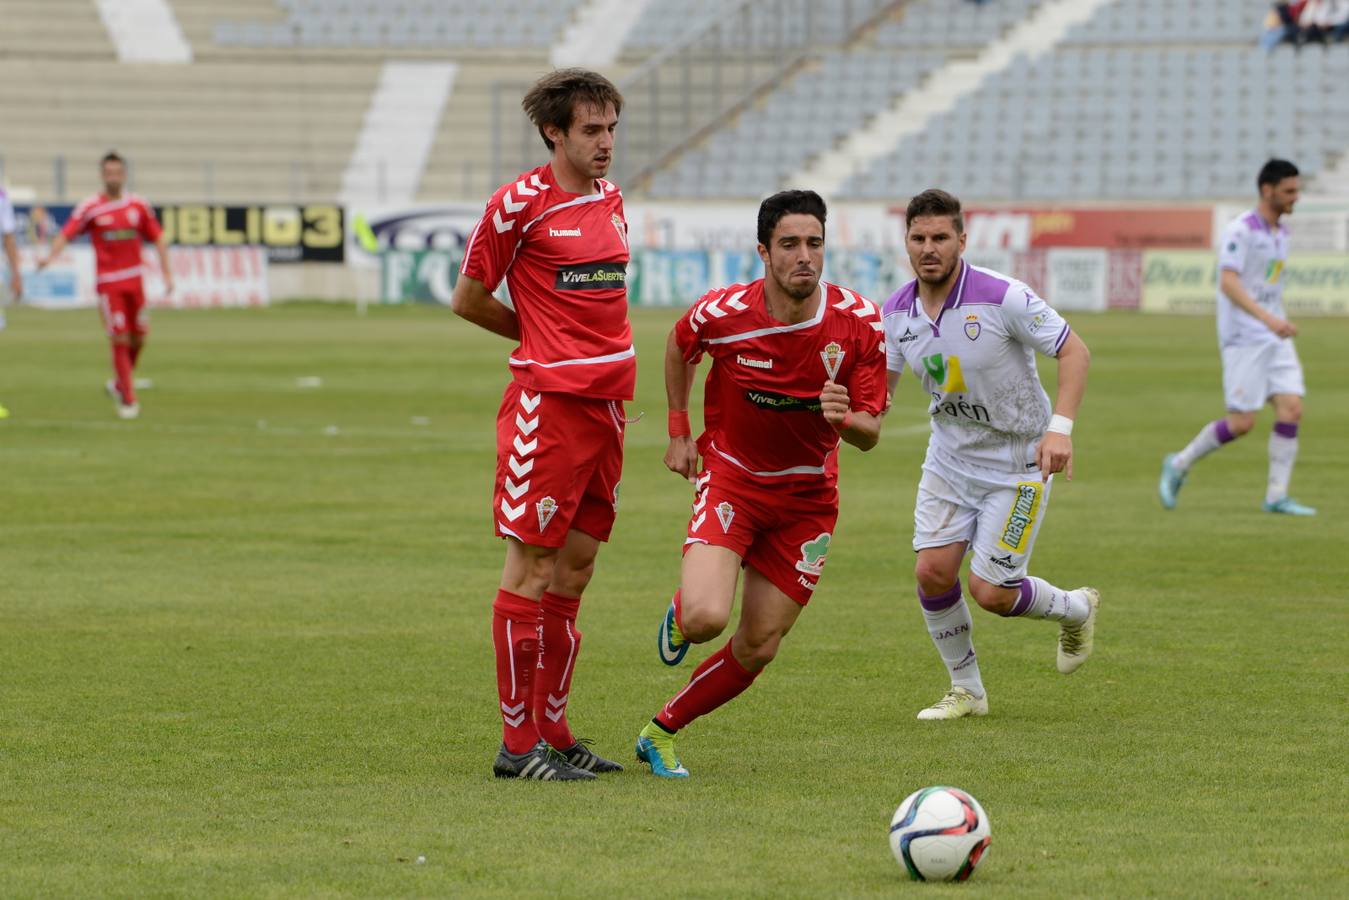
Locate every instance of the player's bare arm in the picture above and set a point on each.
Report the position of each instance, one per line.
(58, 245)
(1233, 289)
(681, 457)
(162, 248)
(15, 279)
(474, 302)
(891, 382)
(1055, 453)
(861, 429)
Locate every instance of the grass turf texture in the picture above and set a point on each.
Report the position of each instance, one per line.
(245, 655)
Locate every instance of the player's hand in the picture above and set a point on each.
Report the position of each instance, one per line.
(681, 457)
(168, 284)
(1282, 327)
(834, 403)
(1054, 455)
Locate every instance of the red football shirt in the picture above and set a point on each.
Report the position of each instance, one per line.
(564, 258)
(116, 229)
(762, 404)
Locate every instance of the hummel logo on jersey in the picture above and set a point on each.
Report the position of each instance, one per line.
(564, 232)
(754, 363)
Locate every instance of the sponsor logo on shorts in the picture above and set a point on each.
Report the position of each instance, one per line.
(1004, 561)
(782, 402)
(725, 513)
(1020, 521)
(591, 277)
(754, 363)
(813, 554)
(546, 509)
(805, 582)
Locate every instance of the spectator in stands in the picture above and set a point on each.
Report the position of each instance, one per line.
(1281, 25)
(1324, 21)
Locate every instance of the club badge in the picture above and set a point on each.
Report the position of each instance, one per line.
(621, 227)
(545, 507)
(725, 512)
(972, 327)
(832, 355)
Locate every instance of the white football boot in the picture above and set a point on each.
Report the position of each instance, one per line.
(1076, 641)
(957, 703)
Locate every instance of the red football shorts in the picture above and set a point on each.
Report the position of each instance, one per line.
(559, 461)
(123, 309)
(784, 534)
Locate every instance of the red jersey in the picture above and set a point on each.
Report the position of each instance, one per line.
(564, 257)
(116, 229)
(762, 404)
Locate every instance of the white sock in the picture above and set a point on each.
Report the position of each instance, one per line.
(950, 629)
(1282, 455)
(1210, 438)
(1041, 600)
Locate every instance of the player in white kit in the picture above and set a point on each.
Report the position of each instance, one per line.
(11, 254)
(1260, 363)
(971, 336)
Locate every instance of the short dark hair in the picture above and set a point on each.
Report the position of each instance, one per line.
(553, 98)
(1274, 171)
(787, 203)
(935, 202)
(111, 156)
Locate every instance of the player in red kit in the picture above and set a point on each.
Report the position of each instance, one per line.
(798, 365)
(558, 238)
(117, 222)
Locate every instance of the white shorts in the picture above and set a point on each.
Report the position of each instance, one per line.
(1252, 373)
(998, 514)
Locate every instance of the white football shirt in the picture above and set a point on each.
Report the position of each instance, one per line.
(1257, 253)
(977, 365)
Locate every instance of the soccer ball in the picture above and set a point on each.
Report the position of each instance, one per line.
(939, 834)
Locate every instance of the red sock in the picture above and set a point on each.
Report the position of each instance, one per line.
(515, 633)
(557, 662)
(135, 354)
(121, 364)
(719, 680)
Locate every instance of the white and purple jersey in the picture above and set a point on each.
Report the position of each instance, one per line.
(1256, 252)
(6, 213)
(977, 363)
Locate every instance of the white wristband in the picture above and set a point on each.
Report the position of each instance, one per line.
(1060, 425)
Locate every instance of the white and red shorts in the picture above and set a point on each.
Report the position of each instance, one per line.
(782, 533)
(559, 462)
(123, 308)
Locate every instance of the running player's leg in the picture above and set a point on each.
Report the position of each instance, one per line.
(117, 322)
(1286, 391)
(1004, 540)
(943, 525)
(139, 321)
(1244, 390)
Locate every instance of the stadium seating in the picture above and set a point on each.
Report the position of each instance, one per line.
(1120, 111)
(404, 24)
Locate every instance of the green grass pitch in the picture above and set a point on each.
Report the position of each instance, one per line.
(245, 644)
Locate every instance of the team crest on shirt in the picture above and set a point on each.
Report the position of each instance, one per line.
(725, 513)
(813, 553)
(621, 227)
(545, 508)
(832, 356)
(972, 327)
(133, 216)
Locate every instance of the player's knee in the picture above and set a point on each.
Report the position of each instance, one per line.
(570, 578)
(758, 650)
(992, 597)
(933, 577)
(701, 621)
(1288, 409)
(1240, 422)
